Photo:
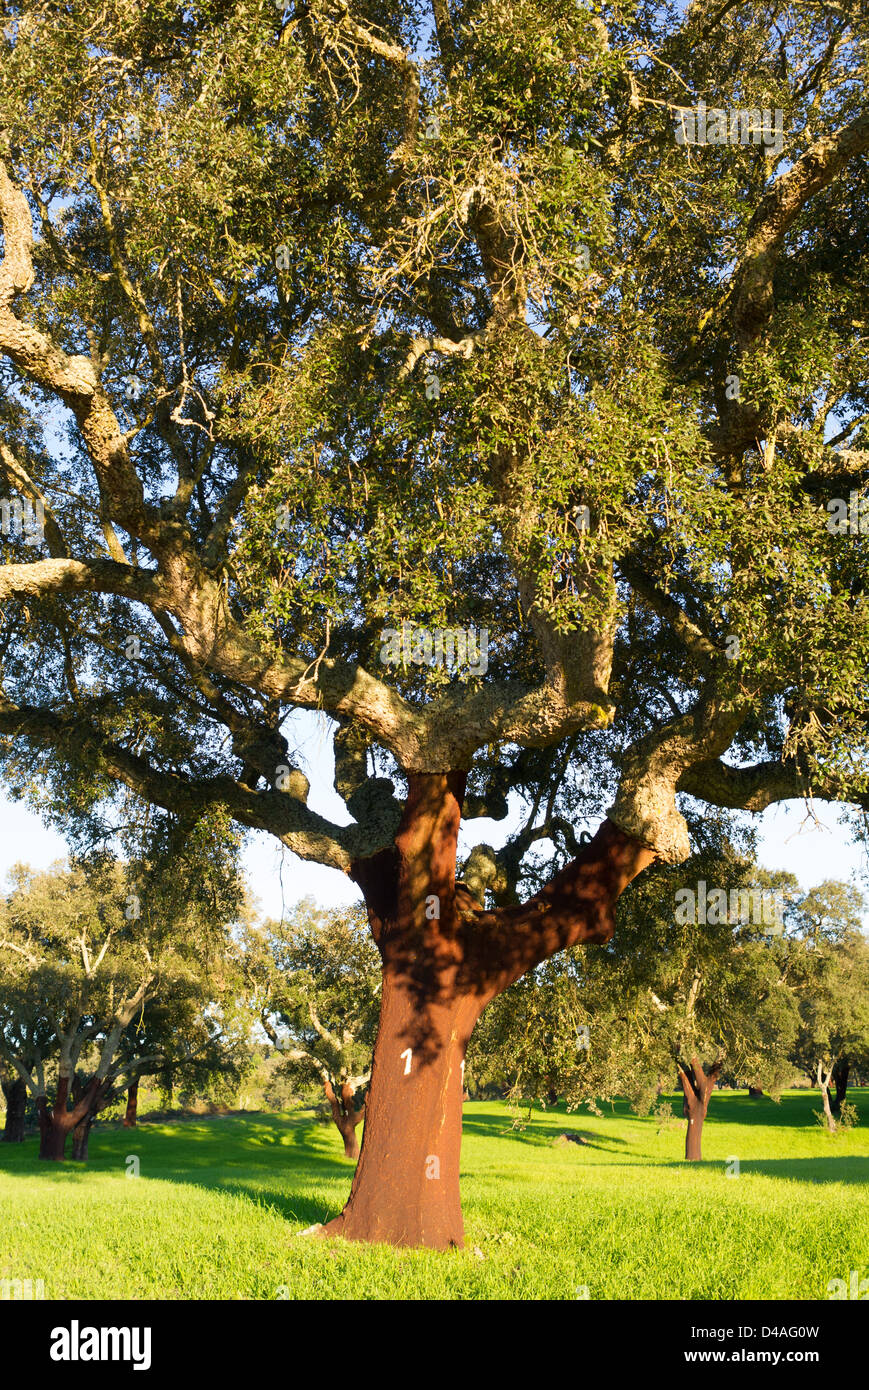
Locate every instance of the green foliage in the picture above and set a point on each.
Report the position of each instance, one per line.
(108, 966)
(314, 985)
(614, 1021)
(247, 211)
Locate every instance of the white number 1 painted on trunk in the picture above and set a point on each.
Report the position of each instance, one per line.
(407, 1053)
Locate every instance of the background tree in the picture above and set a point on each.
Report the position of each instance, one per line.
(834, 992)
(82, 951)
(832, 917)
(196, 1037)
(322, 320)
(316, 983)
(622, 1020)
(15, 1100)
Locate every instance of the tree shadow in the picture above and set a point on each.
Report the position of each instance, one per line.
(536, 1134)
(241, 1164)
(849, 1168)
(791, 1112)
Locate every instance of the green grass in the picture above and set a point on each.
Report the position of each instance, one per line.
(219, 1204)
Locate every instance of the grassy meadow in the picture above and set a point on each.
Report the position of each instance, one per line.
(219, 1204)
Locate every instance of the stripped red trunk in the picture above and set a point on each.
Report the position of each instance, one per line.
(55, 1122)
(406, 1187)
(132, 1106)
(346, 1116)
(443, 960)
(697, 1087)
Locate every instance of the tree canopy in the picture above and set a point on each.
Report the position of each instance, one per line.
(240, 239)
(488, 376)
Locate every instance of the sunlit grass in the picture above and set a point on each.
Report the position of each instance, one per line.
(219, 1204)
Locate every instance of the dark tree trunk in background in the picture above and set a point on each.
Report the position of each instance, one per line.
(15, 1095)
(755, 1092)
(697, 1087)
(840, 1081)
(552, 1096)
(81, 1137)
(443, 960)
(55, 1122)
(346, 1116)
(96, 1097)
(132, 1106)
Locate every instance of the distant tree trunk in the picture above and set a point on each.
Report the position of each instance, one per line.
(697, 1087)
(55, 1122)
(81, 1137)
(755, 1092)
(552, 1096)
(15, 1094)
(824, 1085)
(99, 1099)
(132, 1105)
(346, 1116)
(840, 1081)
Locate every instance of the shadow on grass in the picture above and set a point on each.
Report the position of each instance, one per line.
(794, 1112)
(537, 1135)
(846, 1168)
(289, 1205)
(226, 1157)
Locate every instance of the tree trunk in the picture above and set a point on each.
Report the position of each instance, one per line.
(346, 1117)
(15, 1094)
(406, 1187)
(55, 1122)
(697, 1087)
(52, 1134)
(81, 1138)
(840, 1080)
(824, 1085)
(95, 1095)
(755, 1092)
(132, 1106)
(443, 960)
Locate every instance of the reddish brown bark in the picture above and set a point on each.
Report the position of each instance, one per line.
(99, 1098)
(697, 1087)
(81, 1138)
(443, 960)
(55, 1122)
(346, 1116)
(130, 1116)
